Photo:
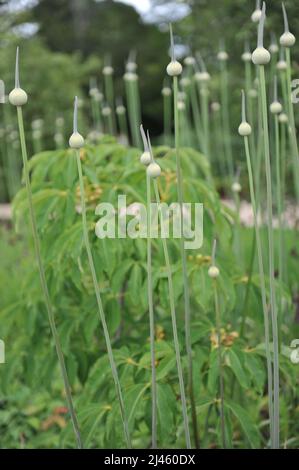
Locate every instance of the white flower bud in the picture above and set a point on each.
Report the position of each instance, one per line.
(18, 97)
(246, 56)
(181, 106)
(131, 67)
(130, 77)
(36, 134)
(153, 170)
(213, 272)
(58, 138)
(166, 91)
(236, 187)
(222, 56)
(145, 158)
(108, 70)
(244, 129)
(106, 111)
(261, 56)
(174, 68)
(283, 118)
(13, 135)
(120, 110)
(93, 92)
(37, 124)
(202, 77)
(189, 61)
(275, 107)
(76, 141)
(256, 15)
(281, 65)
(252, 93)
(185, 82)
(273, 48)
(216, 106)
(98, 97)
(287, 39)
(59, 121)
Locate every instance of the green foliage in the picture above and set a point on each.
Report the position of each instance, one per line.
(32, 412)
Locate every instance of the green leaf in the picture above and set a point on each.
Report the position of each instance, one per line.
(248, 427)
(213, 377)
(237, 368)
(165, 409)
(133, 399)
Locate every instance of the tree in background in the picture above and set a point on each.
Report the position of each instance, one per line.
(101, 29)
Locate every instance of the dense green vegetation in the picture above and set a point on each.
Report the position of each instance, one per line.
(236, 281)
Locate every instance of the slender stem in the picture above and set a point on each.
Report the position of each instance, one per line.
(279, 197)
(258, 167)
(97, 115)
(204, 93)
(137, 109)
(221, 377)
(174, 327)
(248, 286)
(248, 87)
(196, 111)
(292, 121)
(167, 118)
(44, 283)
(110, 98)
(238, 251)
(283, 195)
(263, 287)
(133, 119)
(100, 305)
(226, 119)
(184, 264)
(271, 258)
(151, 315)
(123, 125)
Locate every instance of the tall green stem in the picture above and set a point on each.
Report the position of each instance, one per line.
(184, 264)
(100, 305)
(283, 192)
(221, 377)
(279, 197)
(167, 118)
(271, 257)
(174, 327)
(263, 287)
(204, 94)
(151, 314)
(109, 88)
(226, 119)
(44, 282)
(292, 122)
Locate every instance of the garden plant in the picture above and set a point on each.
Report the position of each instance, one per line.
(117, 341)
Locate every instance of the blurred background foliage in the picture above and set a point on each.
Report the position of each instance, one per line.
(66, 42)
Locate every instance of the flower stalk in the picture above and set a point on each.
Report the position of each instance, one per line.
(77, 142)
(18, 98)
